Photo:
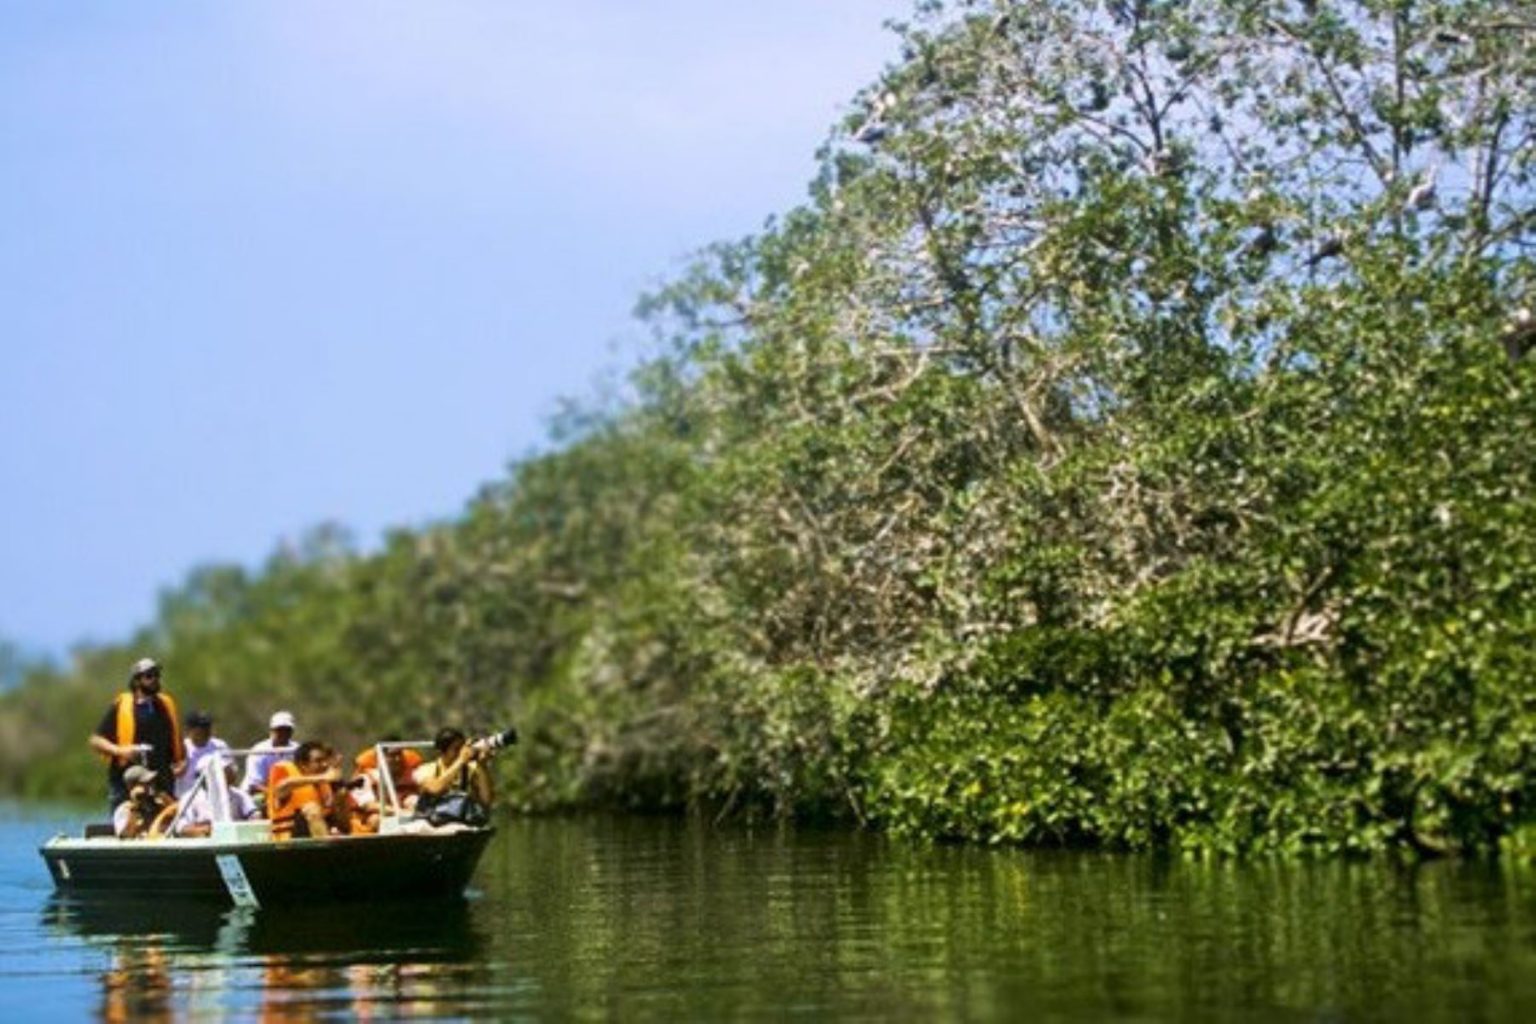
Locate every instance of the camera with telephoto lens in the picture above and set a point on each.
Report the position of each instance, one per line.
(493, 743)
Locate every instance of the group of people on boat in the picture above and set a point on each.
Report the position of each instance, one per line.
(302, 789)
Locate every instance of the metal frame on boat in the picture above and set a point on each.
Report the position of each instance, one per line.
(241, 863)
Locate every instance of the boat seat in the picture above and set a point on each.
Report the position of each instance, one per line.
(99, 830)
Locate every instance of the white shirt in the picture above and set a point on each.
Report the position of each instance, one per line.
(195, 756)
(259, 765)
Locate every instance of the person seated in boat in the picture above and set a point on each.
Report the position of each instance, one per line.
(200, 743)
(343, 811)
(198, 820)
(147, 808)
(301, 793)
(367, 798)
(278, 746)
(459, 768)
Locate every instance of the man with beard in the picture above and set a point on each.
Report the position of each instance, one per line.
(141, 721)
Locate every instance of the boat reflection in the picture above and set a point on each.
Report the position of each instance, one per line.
(137, 986)
(168, 962)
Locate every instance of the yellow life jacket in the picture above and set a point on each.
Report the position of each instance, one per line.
(125, 725)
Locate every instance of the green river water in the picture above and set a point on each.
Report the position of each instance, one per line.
(628, 918)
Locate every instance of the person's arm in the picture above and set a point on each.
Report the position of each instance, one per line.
(179, 760)
(480, 782)
(104, 739)
(442, 781)
(280, 789)
(105, 747)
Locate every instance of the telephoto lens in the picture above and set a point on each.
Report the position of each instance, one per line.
(495, 741)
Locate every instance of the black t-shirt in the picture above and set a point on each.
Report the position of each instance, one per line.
(151, 725)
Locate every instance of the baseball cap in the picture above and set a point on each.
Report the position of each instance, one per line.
(199, 718)
(282, 720)
(137, 774)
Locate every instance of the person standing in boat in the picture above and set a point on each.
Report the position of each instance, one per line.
(140, 727)
(277, 747)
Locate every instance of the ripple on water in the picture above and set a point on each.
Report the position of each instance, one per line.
(602, 917)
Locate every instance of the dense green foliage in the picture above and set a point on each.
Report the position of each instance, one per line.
(1128, 444)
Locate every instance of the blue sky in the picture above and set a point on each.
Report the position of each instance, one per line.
(268, 265)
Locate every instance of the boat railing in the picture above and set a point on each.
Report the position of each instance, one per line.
(392, 811)
(212, 787)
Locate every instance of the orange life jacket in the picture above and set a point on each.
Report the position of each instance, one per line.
(285, 810)
(126, 728)
(367, 763)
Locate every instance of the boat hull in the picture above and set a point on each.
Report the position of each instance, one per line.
(431, 865)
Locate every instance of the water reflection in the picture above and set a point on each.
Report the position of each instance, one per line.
(692, 922)
(171, 962)
(600, 918)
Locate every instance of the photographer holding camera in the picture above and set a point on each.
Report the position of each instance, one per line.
(144, 806)
(457, 778)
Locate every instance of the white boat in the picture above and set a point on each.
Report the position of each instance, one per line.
(241, 863)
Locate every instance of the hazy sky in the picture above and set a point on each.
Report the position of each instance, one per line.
(264, 265)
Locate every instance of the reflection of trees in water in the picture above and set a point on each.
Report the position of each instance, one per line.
(662, 919)
(304, 988)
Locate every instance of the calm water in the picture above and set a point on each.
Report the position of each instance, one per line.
(636, 918)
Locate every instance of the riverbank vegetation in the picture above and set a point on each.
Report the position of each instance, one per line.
(1129, 443)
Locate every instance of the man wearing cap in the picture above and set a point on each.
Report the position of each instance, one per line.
(143, 804)
(201, 743)
(278, 746)
(141, 726)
